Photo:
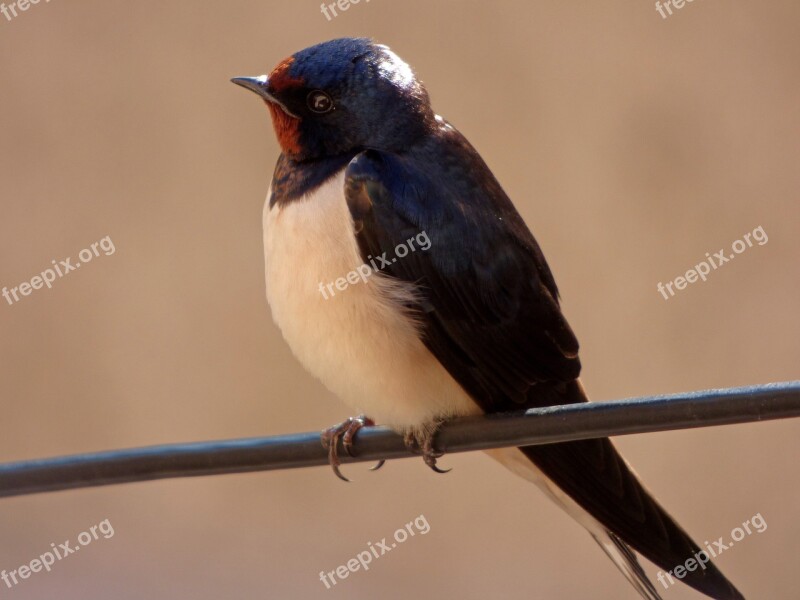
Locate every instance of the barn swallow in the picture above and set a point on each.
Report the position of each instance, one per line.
(470, 325)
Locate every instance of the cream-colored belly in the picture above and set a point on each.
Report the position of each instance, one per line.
(359, 341)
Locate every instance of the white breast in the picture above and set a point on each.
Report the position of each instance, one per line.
(359, 342)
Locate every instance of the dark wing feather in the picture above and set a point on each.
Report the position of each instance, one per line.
(490, 313)
(489, 299)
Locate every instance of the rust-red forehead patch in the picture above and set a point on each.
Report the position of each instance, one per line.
(280, 79)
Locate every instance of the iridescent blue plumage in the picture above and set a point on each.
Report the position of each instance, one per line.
(486, 300)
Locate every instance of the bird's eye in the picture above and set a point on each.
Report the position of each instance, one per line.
(319, 102)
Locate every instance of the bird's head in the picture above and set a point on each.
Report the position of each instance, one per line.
(341, 96)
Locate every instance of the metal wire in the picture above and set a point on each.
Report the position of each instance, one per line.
(539, 426)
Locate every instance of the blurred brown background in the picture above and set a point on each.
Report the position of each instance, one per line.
(631, 144)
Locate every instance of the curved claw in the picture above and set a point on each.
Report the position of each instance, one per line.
(378, 465)
(423, 443)
(338, 473)
(333, 459)
(439, 470)
(330, 439)
(345, 431)
(429, 455)
(351, 427)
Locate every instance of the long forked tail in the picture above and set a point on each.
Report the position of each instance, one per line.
(626, 561)
(593, 483)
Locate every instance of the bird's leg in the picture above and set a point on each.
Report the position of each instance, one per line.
(345, 431)
(422, 442)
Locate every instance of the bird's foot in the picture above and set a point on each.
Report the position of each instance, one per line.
(345, 431)
(423, 443)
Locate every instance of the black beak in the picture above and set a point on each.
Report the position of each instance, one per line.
(254, 84)
(259, 85)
